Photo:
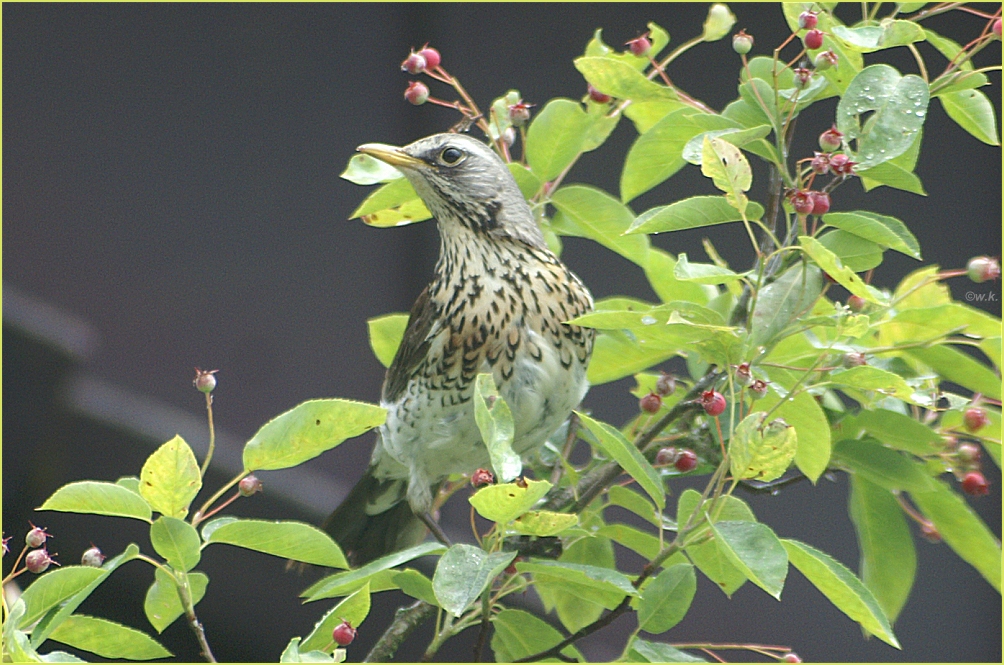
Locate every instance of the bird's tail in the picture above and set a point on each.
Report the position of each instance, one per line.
(374, 520)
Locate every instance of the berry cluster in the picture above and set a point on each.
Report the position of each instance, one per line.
(965, 457)
(683, 459)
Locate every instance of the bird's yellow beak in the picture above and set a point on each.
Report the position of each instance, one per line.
(391, 155)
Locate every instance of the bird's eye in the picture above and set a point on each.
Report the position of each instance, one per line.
(451, 155)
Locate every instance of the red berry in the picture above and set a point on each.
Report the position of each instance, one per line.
(802, 77)
(92, 557)
(482, 477)
(37, 561)
(791, 657)
(975, 419)
(36, 537)
(666, 385)
(639, 46)
(831, 139)
(686, 460)
(597, 96)
(204, 381)
(413, 64)
(820, 203)
(742, 43)
(802, 201)
(974, 484)
(997, 28)
(744, 376)
(650, 403)
(813, 39)
(759, 389)
(841, 164)
(713, 402)
(666, 456)
(519, 113)
(856, 303)
(983, 269)
(854, 359)
(807, 20)
(432, 57)
(343, 634)
(417, 93)
(249, 485)
(825, 60)
(820, 163)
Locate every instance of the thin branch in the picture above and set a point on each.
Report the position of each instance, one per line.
(406, 619)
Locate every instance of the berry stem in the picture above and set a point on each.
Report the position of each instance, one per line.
(201, 514)
(221, 506)
(14, 574)
(212, 435)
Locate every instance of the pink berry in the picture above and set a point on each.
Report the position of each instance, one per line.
(432, 57)
(742, 43)
(36, 537)
(841, 164)
(37, 561)
(666, 385)
(686, 460)
(813, 39)
(807, 20)
(975, 419)
(92, 557)
(713, 402)
(482, 477)
(969, 454)
(831, 139)
(650, 403)
(983, 269)
(744, 376)
(825, 60)
(597, 96)
(666, 456)
(856, 303)
(205, 380)
(759, 389)
(820, 163)
(802, 201)
(802, 78)
(249, 485)
(519, 113)
(417, 93)
(974, 484)
(343, 634)
(639, 46)
(820, 203)
(413, 64)
(997, 28)
(791, 657)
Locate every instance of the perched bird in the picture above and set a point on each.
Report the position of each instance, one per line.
(497, 303)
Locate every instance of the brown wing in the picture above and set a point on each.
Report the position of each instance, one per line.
(413, 349)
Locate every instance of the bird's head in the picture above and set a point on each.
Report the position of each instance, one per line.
(464, 183)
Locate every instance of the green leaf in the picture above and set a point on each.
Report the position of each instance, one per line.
(728, 168)
(527, 181)
(804, 414)
(841, 587)
(973, 112)
(602, 218)
(170, 478)
(892, 175)
(636, 503)
(416, 585)
(761, 451)
(292, 654)
(645, 544)
(177, 541)
(645, 115)
(884, 467)
(307, 430)
(960, 368)
(290, 540)
(666, 599)
(830, 264)
(658, 153)
(867, 377)
(54, 587)
(718, 23)
(881, 229)
(659, 271)
(888, 34)
(709, 556)
(519, 634)
(367, 170)
(556, 137)
(108, 639)
(494, 419)
(962, 529)
(759, 98)
(616, 355)
(888, 557)
(98, 498)
(544, 523)
(784, 300)
(619, 449)
(853, 251)
(703, 273)
(386, 333)
(346, 582)
(900, 106)
(162, 605)
(604, 586)
(896, 431)
(643, 651)
(925, 323)
(693, 152)
(755, 550)
(692, 213)
(619, 79)
(463, 573)
(574, 610)
(394, 204)
(354, 609)
(505, 502)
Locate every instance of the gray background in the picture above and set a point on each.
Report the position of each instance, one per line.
(171, 198)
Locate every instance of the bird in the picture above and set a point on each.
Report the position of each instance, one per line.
(499, 302)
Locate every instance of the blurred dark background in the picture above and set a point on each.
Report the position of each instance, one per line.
(171, 198)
